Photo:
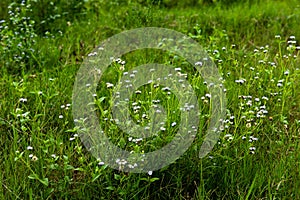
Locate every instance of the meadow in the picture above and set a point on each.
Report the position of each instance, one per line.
(255, 46)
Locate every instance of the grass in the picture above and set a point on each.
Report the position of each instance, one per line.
(256, 157)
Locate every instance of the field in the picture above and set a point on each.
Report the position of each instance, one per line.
(255, 48)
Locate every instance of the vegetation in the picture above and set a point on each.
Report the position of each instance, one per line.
(255, 47)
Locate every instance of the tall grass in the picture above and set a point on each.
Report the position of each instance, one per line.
(256, 50)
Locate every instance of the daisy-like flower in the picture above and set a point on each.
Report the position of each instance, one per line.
(277, 36)
(240, 81)
(109, 85)
(23, 100)
(101, 163)
(34, 158)
(248, 125)
(162, 128)
(29, 148)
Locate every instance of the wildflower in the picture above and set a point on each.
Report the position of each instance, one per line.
(158, 111)
(286, 72)
(166, 88)
(29, 148)
(34, 158)
(252, 148)
(241, 81)
(265, 98)
(25, 114)
(121, 162)
(109, 85)
(162, 128)
(150, 173)
(23, 100)
(199, 63)
(101, 163)
(228, 137)
(291, 42)
(253, 138)
(248, 125)
(60, 116)
(277, 36)
(208, 95)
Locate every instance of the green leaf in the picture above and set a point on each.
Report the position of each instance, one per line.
(33, 176)
(102, 99)
(153, 179)
(96, 177)
(69, 167)
(44, 181)
(110, 188)
(117, 176)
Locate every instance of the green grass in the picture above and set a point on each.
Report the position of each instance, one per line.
(263, 112)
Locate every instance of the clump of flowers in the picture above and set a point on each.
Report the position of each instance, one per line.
(18, 37)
